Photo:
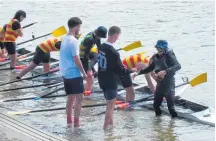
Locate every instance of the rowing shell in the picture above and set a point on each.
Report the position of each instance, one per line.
(185, 109)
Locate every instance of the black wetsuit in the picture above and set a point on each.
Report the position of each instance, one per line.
(166, 86)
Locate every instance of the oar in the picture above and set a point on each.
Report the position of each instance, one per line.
(29, 25)
(28, 78)
(131, 46)
(56, 109)
(35, 97)
(19, 58)
(56, 33)
(31, 86)
(55, 85)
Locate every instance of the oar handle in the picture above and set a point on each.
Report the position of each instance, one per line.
(29, 25)
(34, 39)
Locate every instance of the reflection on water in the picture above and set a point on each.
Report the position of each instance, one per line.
(189, 28)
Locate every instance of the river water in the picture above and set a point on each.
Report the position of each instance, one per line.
(188, 26)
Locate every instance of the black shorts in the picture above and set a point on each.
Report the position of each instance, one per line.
(86, 64)
(126, 81)
(10, 47)
(40, 56)
(2, 45)
(110, 94)
(74, 85)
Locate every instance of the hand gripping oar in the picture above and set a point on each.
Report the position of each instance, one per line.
(56, 33)
(31, 86)
(202, 78)
(131, 46)
(55, 109)
(28, 78)
(33, 98)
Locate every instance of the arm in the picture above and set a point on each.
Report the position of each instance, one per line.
(79, 64)
(173, 63)
(16, 26)
(118, 67)
(75, 54)
(149, 69)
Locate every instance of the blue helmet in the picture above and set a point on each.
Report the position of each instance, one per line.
(163, 44)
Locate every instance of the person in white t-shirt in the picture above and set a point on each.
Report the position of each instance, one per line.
(71, 69)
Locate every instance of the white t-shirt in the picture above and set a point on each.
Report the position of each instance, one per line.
(69, 48)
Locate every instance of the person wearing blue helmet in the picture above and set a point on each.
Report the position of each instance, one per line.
(89, 41)
(164, 64)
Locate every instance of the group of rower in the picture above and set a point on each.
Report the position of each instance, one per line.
(77, 64)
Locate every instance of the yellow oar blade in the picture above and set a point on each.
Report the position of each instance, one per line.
(132, 46)
(18, 113)
(59, 31)
(202, 78)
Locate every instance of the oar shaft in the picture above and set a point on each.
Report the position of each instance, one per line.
(27, 87)
(63, 108)
(34, 39)
(27, 78)
(29, 25)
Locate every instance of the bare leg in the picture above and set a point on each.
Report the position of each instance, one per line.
(13, 60)
(109, 113)
(77, 109)
(90, 81)
(69, 107)
(130, 93)
(27, 69)
(46, 67)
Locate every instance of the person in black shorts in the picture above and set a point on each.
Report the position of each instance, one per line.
(12, 32)
(110, 66)
(42, 55)
(91, 39)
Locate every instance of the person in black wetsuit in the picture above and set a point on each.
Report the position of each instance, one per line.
(165, 65)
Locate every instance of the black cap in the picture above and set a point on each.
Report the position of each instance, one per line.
(101, 31)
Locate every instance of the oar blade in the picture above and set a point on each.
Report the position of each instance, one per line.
(18, 113)
(59, 31)
(132, 46)
(202, 78)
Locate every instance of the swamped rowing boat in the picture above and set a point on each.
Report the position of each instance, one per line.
(185, 109)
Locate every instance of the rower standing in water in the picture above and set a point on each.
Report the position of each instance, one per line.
(42, 55)
(90, 40)
(110, 65)
(71, 69)
(165, 65)
(13, 30)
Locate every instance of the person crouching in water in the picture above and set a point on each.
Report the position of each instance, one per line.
(139, 61)
(164, 64)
